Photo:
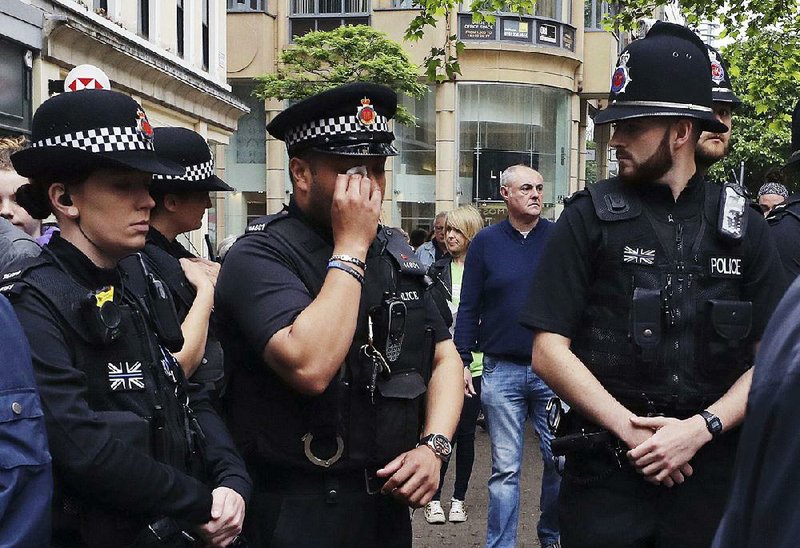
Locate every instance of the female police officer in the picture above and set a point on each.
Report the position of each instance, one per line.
(137, 460)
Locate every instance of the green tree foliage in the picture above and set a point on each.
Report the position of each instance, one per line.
(767, 81)
(319, 61)
(441, 63)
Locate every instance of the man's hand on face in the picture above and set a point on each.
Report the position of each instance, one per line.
(355, 212)
(413, 476)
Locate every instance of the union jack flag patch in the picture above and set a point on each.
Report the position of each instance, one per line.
(125, 376)
(638, 256)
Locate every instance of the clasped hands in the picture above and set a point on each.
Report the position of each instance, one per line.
(661, 447)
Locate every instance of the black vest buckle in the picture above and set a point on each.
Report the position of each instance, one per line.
(616, 203)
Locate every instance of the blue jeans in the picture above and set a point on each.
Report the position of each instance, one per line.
(511, 393)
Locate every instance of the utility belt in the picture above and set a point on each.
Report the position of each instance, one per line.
(283, 480)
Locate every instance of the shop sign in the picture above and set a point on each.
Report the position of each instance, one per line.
(568, 39)
(476, 31)
(516, 29)
(548, 33)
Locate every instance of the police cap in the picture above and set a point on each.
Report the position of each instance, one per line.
(90, 129)
(190, 150)
(349, 120)
(666, 73)
(721, 88)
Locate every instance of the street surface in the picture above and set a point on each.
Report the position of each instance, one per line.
(473, 531)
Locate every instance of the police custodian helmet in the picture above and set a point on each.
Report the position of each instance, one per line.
(666, 73)
(721, 88)
(349, 120)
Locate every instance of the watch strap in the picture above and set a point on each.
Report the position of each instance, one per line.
(713, 423)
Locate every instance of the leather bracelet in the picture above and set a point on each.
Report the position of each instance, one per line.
(338, 265)
(350, 259)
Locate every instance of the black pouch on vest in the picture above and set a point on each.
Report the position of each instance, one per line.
(728, 326)
(646, 322)
(398, 412)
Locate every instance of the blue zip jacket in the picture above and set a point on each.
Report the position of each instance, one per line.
(25, 471)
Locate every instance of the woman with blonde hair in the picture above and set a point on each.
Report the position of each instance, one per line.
(461, 226)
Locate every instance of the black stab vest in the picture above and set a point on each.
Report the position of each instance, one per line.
(666, 321)
(268, 419)
(127, 384)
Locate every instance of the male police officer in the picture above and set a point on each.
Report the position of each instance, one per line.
(714, 146)
(332, 338)
(647, 305)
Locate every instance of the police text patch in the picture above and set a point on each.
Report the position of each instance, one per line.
(725, 267)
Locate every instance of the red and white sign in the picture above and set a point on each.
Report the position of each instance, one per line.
(86, 77)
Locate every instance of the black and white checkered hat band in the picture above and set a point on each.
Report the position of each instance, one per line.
(106, 139)
(197, 172)
(341, 125)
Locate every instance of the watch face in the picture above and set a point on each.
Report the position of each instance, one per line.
(715, 425)
(441, 445)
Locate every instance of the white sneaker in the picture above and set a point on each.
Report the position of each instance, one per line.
(457, 513)
(434, 512)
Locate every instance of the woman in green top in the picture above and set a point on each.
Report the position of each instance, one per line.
(461, 226)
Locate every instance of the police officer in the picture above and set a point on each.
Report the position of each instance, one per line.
(647, 305)
(784, 219)
(336, 348)
(181, 202)
(138, 460)
(714, 146)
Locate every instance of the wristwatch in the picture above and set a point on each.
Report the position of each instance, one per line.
(439, 444)
(713, 423)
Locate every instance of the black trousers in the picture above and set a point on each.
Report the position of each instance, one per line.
(602, 505)
(464, 445)
(304, 513)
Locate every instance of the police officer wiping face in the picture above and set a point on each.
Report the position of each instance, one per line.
(332, 163)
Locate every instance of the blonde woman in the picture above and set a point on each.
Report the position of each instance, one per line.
(461, 226)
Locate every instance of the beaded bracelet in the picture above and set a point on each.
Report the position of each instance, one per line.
(350, 259)
(339, 265)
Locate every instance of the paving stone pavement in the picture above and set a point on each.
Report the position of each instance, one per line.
(473, 531)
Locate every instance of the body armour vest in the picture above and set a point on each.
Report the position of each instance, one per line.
(666, 322)
(211, 369)
(131, 383)
(367, 415)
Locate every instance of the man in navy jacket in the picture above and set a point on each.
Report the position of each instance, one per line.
(497, 274)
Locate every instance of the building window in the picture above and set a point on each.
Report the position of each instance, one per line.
(247, 5)
(181, 24)
(206, 38)
(310, 15)
(594, 11)
(405, 4)
(100, 5)
(15, 99)
(144, 18)
(414, 167)
(503, 125)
